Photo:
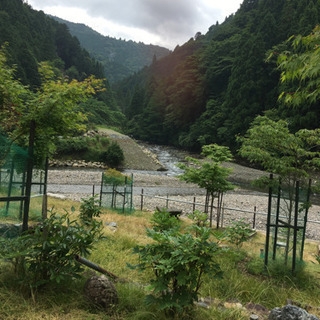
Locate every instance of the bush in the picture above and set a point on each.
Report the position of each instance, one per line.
(238, 233)
(46, 253)
(71, 145)
(163, 221)
(89, 209)
(115, 177)
(113, 156)
(179, 261)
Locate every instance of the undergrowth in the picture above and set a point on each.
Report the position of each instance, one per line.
(244, 279)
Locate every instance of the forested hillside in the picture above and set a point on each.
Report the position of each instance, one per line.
(120, 58)
(211, 88)
(31, 37)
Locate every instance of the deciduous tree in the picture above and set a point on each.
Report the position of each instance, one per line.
(300, 68)
(54, 107)
(209, 173)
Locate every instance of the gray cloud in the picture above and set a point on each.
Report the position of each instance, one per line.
(175, 19)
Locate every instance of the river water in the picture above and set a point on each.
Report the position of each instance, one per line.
(169, 157)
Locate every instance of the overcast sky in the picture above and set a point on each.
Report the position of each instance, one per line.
(162, 22)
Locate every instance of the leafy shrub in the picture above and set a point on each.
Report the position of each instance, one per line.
(71, 145)
(163, 221)
(178, 260)
(113, 156)
(115, 177)
(239, 232)
(46, 253)
(200, 218)
(89, 209)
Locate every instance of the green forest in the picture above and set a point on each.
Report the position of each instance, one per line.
(120, 58)
(249, 88)
(31, 37)
(211, 88)
(208, 90)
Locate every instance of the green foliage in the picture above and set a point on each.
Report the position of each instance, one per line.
(209, 174)
(291, 155)
(238, 233)
(281, 272)
(53, 108)
(200, 218)
(300, 68)
(96, 148)
(113, 156)
(120, 58)
(89, 209)
(179, 262)
(12, 93)
(34, 37)
(102, 113)
(211, 88)
(72, 145)
(46, 253)
(162, 220)
(115, 177)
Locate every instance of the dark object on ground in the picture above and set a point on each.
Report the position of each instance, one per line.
(173, 212)
(100, 291)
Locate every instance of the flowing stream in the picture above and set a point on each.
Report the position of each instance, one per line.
(169, 157)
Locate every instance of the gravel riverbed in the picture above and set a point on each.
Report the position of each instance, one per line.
(240, 203)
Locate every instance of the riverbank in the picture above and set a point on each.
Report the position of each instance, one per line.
(158, 186)
(160, 190)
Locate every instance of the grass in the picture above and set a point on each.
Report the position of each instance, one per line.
(14, 211)
(244, 279)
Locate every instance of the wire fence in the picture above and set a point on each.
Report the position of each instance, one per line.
(257, 219)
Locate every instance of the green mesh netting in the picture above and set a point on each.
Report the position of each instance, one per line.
(116, 193)
(288, 213)
(13, 166)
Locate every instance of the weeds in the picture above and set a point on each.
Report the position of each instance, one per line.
(244, 279)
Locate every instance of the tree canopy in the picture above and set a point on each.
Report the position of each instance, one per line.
(271, 144)
(34, 37)
(301, 68)
(54, 107)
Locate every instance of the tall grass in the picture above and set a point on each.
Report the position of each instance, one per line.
(244, 279)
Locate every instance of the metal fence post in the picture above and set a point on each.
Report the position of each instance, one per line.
(254, 217)
(141, 205)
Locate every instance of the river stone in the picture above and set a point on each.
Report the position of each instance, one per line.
(290, 312)
(101, 291)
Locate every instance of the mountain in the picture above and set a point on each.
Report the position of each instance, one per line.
(33, 37)
(120, 58)
(30, 37)
(211, 88)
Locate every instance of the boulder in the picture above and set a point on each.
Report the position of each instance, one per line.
(100, 291)
(290, 312)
